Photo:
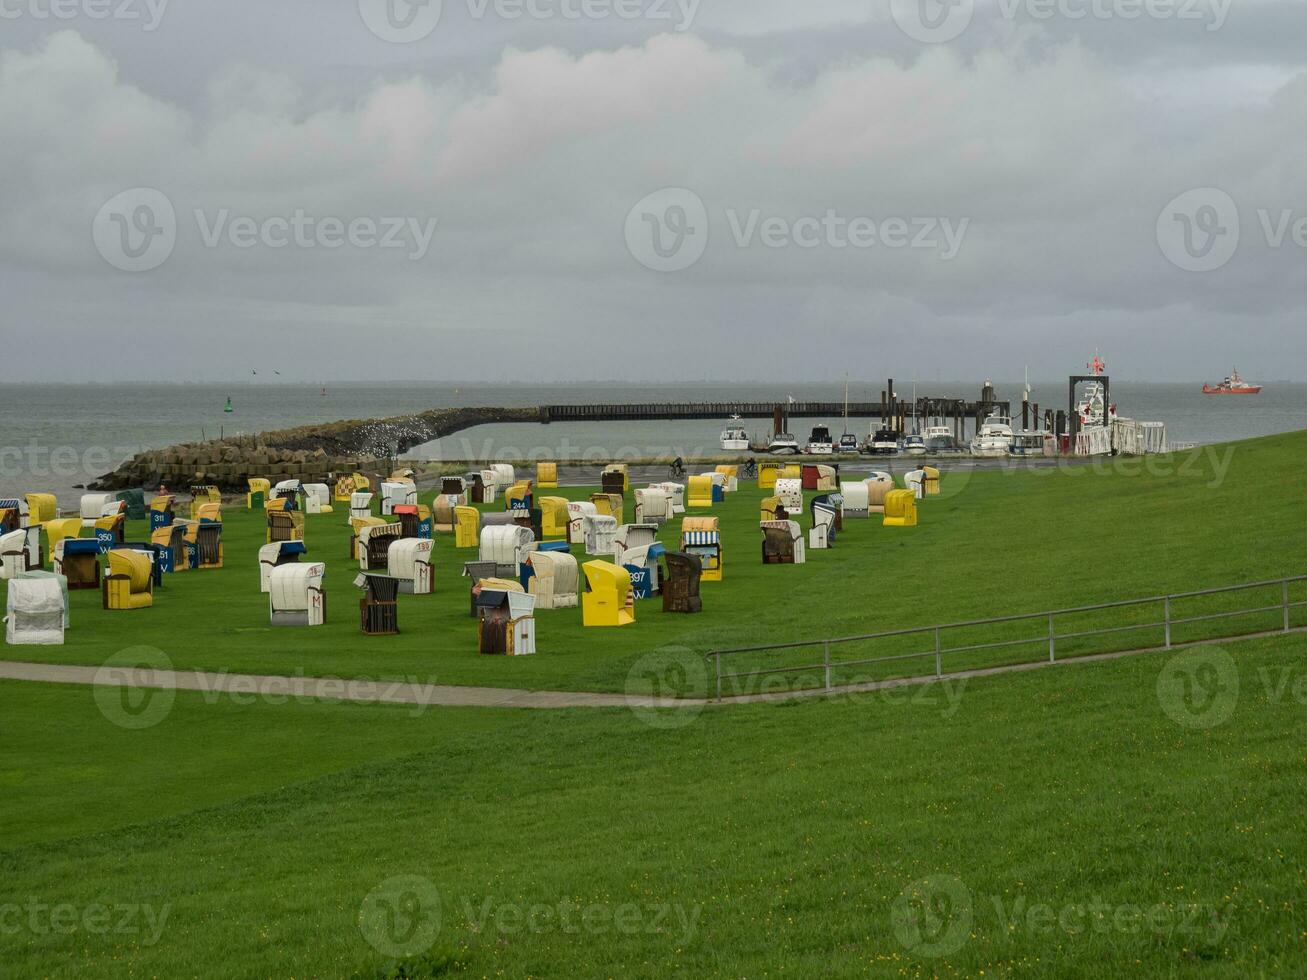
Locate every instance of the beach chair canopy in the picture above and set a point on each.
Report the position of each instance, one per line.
(407, 557)
(600, 532)
(295, 596)
(555, 583)
(856, 499)
(93, 507)
(607, 600)
(507, 546)
(129, 582)
(133, 504)
(791, 493)
(555, 518)
(35, 611)
(635, 536)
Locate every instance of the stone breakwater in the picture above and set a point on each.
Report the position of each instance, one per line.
(311, 453)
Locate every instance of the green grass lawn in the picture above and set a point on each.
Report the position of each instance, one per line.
(764, 840)
(993, 543)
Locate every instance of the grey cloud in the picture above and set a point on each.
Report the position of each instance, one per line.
(1059, 142)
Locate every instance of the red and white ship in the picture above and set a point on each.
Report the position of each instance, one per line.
(1093, 410)
(1233, 385)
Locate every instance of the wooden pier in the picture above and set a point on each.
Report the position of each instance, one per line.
(894, 414)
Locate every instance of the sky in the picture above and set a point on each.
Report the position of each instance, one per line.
(651, 190)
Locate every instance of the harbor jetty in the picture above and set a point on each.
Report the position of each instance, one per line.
(315, 452)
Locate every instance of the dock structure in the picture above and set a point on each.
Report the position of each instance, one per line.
(887, 411)
(893, 413)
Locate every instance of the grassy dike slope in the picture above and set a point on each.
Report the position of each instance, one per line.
(752, 841)
(994, 543)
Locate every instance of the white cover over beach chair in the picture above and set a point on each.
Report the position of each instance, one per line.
(791, 494)
(578, 511)
(360, 504)
(36, 611)
(19, 551)
(556, 582)
(677, 492)
(507, 546)
(409, 560)
(522, 623)
(396, 494)
(93, 507)
(600, 533)
(856, 499)
(269, 558)
(823, 518)
(295, 594)
(630, 536)
(653, 505)
(502, 476)
(317, 498)
(915, 480)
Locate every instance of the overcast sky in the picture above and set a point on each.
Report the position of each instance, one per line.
(738, 189)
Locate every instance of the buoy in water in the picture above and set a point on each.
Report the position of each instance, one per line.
(227, 407)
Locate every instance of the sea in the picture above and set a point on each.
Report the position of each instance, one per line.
(57, 438)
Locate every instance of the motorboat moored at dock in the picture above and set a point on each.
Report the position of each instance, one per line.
(819, 442)
(783, 444)
(734, 438)
(994, 438)
(885, 442)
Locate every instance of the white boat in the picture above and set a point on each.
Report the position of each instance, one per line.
(1093, 408)
(848, 442)
(939, 439)
(1027, 443)
(994, 437)
(914, 444)
(734, 437)
(819, 442)
(885, 443)
(783, 444)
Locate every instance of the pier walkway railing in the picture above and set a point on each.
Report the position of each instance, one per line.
(1162, 621)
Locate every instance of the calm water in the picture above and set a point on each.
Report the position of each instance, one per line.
(58, 436)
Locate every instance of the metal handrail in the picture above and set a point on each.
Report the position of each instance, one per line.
(1050, 637)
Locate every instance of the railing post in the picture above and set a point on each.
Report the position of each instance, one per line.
(718, 658)
(1284, 597)
(1052, 641)
(939, 664)
(1166, 619)
(826, 645)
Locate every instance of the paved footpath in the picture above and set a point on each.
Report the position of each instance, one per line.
(327, 688)
(407, 692)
